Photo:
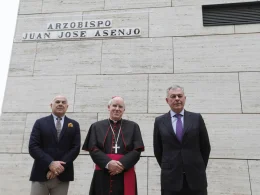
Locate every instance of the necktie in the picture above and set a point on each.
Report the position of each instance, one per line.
(58, 127)
(179, 127)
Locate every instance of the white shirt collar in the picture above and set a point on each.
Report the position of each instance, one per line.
(54, 117)
(173, 113)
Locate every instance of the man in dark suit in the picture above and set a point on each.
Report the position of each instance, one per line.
(181, 147)
(54, 144)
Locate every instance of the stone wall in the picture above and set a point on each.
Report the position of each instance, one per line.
(218, 67)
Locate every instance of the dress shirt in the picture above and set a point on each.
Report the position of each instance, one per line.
(55, 120)
(174, 119)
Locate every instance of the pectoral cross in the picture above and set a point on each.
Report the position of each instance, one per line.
(116, 147)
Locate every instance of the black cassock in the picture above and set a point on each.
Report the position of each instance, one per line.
(101, 141)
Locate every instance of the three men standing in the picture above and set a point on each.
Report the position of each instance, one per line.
(115, 146)
(181, 147)
(54, 144)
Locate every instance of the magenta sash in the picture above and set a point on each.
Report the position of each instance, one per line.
(129, 176)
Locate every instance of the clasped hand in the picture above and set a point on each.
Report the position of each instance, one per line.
(115, 167)
(56, 168)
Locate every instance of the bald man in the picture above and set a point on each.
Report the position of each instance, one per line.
(54, 145)
(115, 146)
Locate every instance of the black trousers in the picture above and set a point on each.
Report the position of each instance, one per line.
(185, 190)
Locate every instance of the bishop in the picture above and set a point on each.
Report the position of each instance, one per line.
(115, 146)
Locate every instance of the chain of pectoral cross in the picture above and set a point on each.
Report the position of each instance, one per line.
(116, 139)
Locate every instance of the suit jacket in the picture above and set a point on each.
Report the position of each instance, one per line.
(189, 156)
(45, 147)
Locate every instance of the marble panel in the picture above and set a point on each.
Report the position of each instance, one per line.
(114, 4)
(11, 132)
(250, 91)
(222, 53)
(247, 28)
(137, 56)
(141, 175)
(254, 170)
(23, 58)
(181, 21)
(94, 92)
(30, 6)
(68, 58)
(206, 93)
(154, 172)
(51, 6)
(231, 135)
(34, 94)
(15, 173)
(228, 177)
(83, 173)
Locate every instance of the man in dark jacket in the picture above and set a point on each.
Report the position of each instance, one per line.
(54, 144)
(181, 147)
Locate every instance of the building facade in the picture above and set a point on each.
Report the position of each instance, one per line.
(57, 50)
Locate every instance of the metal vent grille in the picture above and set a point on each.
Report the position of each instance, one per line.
(231, 14)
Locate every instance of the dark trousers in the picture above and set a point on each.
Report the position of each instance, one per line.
(185, 190)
